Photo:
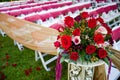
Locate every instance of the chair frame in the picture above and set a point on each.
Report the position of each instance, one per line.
(39, 55)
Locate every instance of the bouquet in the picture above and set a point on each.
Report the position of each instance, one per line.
(83, 39)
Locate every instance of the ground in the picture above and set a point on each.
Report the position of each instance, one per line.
(21, 65)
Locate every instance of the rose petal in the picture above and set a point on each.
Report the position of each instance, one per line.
(7, 56)
(14, 65)
(27, 73)
(38, 68)
(7, 64)
(2, 76)
(30, 70)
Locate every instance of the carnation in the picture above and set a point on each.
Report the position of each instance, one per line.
(101, 30)
(76, 40)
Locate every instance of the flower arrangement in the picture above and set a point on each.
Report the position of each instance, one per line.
(84, 39)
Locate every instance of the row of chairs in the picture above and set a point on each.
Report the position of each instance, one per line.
(15, 3)
(57, 12)
(25, 6)
(106, 8)
(112, 18)
(39, 8)
(29, 10)
(116, 37)
(108, 12)
(50, 19)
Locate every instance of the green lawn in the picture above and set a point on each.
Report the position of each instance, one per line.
(24, 60)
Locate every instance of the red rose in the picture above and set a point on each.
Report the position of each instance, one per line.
(92, 23)
(57, 44)
(98, 38)
(100, 20)
(69, 21)
(102, 53)
(66, 41)
(90, 49)
(107, 27)
(76, 32)
(74, 56)
(84, 14)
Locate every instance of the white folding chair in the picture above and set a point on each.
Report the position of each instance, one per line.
(116, 45)
(116, 32)
(39, 55)
(20, 46)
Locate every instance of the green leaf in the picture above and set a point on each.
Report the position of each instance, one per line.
(64, 55)
(83, 55)
(87, 57)
(62, 59)
(106, 60)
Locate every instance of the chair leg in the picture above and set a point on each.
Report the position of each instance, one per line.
(20, 46)
(15, 43)
(2, 33)
(38, 55)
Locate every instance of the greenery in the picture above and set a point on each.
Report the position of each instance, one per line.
(25, 60)
(7, 0)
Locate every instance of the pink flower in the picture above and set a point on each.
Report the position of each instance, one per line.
(101, 30)
(76, 40)
(109, 30)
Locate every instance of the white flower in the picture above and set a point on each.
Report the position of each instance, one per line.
(102, 30)
(105, 44)
(76, 40)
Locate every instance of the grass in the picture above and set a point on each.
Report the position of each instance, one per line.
(24, 60)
